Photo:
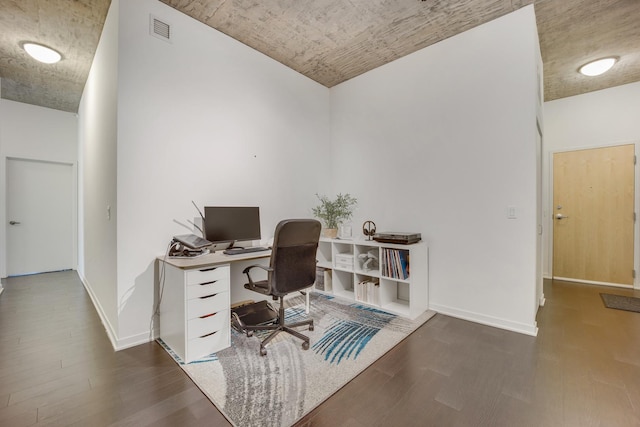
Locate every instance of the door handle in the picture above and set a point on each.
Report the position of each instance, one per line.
(14, 222)
(560, 216)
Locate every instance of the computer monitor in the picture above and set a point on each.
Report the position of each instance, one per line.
(231, 224)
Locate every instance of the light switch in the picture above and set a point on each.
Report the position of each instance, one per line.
(108, 212)
(511, 212)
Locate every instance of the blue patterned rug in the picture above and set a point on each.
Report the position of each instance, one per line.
(286, 384)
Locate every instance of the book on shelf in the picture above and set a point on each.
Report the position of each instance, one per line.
(404, 264)
(395, 263)
(328, 285)
(368, 291)
(323, 279)
(320, 278)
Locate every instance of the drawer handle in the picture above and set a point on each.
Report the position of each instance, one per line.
(208, 296)
(208, 269)
(208, 315)
(208, 335)
(207, 283)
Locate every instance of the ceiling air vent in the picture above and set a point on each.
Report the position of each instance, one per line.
(159, 29)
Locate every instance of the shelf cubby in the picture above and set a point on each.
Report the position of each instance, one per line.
(367, 289)
(342, 282)
(395, 296)
(367, 260)
(402, 287)
(324, 254)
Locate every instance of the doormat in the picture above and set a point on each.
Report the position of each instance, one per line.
(280, 388)
(621, 302)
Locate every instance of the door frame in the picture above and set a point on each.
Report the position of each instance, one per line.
(636, 204)
(5, 199)
(540, 225)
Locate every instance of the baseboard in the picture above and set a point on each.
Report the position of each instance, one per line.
(541, 301)
(103, 317)
(593, 282)
(116, 342)
(486, 320)
(133, 341)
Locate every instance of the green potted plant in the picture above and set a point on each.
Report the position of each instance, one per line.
(334, 212)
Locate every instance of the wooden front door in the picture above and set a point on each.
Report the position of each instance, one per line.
(593, 215)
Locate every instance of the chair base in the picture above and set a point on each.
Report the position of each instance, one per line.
(281, 327)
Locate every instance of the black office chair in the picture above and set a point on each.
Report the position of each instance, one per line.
(292, 268)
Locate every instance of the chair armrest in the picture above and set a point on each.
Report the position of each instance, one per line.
(264, 267)
(247, 271)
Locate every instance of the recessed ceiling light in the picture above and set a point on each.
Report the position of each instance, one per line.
(595, 68)
(42, 53)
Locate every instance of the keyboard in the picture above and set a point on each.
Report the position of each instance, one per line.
(237, 251)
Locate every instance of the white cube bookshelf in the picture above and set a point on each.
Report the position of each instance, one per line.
(406, 297)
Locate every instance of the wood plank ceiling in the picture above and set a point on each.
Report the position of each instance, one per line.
(330, 41)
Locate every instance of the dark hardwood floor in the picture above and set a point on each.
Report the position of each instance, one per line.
(57, 367)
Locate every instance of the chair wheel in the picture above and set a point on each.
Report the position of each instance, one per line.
(263, 351)
(249, 334)
(305, 345)
(311, 327)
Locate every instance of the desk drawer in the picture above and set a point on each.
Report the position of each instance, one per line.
(207, 288)
(199, 326)
(201, 347)
(208, 304)
(207, 274)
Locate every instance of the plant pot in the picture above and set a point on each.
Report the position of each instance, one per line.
(331, 233)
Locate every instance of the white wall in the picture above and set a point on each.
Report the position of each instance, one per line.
(441, 142)
(208, 119)
(594, 119)
(97, 152)
(36, 133)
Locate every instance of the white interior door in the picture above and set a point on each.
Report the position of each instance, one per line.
(40, 216)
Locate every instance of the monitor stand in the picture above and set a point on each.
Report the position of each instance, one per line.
(223, 246)
(233, 246)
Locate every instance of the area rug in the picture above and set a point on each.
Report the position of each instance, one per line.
(281, 387)
(621, 302)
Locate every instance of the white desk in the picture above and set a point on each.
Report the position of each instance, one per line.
(195, 302)
(195, 316)
(212, 259)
